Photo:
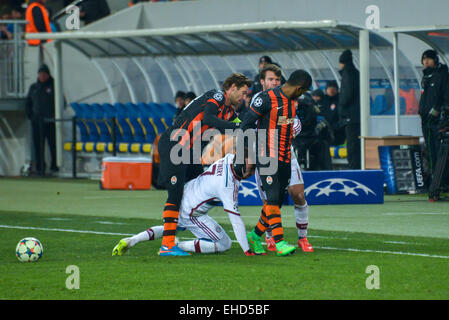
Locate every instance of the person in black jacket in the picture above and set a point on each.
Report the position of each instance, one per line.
(349, 107)
(435, 95)
(40, 105)
(329, 109)
(93, 10)
(314, 135)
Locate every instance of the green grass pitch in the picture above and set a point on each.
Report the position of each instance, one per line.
(78, 224)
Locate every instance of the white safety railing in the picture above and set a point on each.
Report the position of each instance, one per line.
(11, 61)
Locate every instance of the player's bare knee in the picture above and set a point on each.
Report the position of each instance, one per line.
(297, 195)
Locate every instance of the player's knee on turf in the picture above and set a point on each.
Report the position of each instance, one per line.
(224, 244)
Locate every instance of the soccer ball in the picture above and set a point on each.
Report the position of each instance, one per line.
(29, 250)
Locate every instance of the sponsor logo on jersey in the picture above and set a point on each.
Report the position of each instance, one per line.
(284, 120)
(269, 180)
(173, 180)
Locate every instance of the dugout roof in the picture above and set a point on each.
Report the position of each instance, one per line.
(436, 37)
(243, 38)
(199, 58)
(152, 64)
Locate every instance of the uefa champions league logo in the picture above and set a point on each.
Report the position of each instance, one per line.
(346, 186)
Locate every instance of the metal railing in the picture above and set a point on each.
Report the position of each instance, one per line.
(11, 61)
(74, 139)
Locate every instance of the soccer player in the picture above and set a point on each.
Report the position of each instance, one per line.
(270, 77)
(214, 109)
(220, 182)
(274, 111)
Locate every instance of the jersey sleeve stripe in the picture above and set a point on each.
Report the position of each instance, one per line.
(259, 114)
(213, 101)
(237, 214)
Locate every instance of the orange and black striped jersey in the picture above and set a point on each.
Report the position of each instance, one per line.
(204, 112)
(275, 115)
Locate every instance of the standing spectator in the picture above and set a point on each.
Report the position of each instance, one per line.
(16, 14)
(93, 10)
(40, 104)
(189, 97)
(349, 107)
(314, 135)
(257, 86)
(435, 94)
(180, 102)
(329, 109)
(318, 96)
(3, 30)
(38, 20)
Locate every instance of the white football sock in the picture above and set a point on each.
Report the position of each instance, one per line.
(149, 234)
(302, 219)
(198, 246)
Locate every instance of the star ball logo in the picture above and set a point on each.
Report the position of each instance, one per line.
(248, 188)
(336, 185)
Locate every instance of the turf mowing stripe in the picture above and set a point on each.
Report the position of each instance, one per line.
(363, 250)
(66, 230)
(388, 252)
(234, 241)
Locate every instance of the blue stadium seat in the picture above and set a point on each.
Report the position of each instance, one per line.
(103, 125)
(160, 116)
(157, 116)
(89, 118)
(147, 120)
(169, 112)
(137, 125)
(379, 105)
(123, 119)
(136, 122)
(79, 114)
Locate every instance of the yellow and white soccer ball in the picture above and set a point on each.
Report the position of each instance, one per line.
(29, 250)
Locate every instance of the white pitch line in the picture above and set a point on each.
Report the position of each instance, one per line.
(414, 213)
(387, 252)
(66, 230)
(115, 197)
(234, 241)
(110, 222)
(401, 242)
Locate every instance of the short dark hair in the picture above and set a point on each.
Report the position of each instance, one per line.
(190, 95)
(266, 59)
(332, 84)
(270, 67)
(239, 79)
(17, 9)
(180, 94)
(300, 78)
(318, 93)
